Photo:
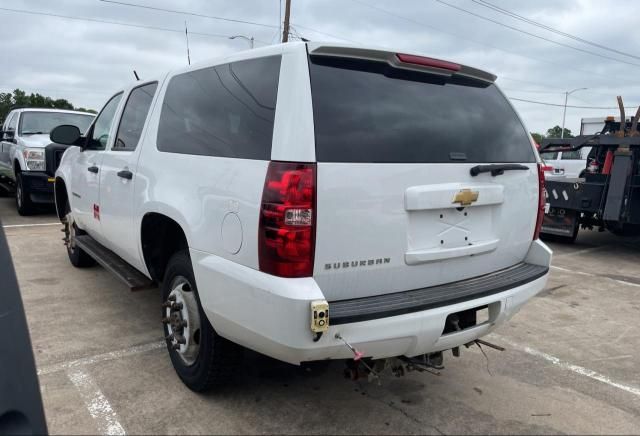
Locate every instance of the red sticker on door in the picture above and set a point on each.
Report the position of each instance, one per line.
(96, 212)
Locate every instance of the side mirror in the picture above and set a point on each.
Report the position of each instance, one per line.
(65, 134)
(8, 135)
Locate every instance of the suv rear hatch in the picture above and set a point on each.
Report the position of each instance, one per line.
(397, 206)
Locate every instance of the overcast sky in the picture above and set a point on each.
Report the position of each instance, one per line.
(87, 61)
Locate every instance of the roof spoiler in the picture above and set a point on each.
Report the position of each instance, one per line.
(405, 62)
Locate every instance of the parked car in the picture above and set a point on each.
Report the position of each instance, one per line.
(569, 164)
(307, 200)
(28, 159)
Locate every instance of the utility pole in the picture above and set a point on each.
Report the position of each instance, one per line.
(287, 12)
(564, 113)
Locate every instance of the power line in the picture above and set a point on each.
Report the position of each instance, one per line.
(513, 53)
(173, 11)
(482, 17)
(543, 85)
(570, 106)
(324, 33)
(549, 28)
(117, 23)
(532, 91)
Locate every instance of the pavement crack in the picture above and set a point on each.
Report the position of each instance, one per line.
(397, 408)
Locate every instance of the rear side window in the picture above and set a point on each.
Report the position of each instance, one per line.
(370, 112)
(226, 111)
(133, 117)
(571, 155)
(549, 155)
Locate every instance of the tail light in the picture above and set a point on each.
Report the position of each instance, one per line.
(287, 220)
(541, 201)
(427, 62)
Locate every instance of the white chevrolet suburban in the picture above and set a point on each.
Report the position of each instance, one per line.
(311, 201)
(28, 159)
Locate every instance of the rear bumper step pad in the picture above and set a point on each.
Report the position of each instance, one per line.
(399, 303)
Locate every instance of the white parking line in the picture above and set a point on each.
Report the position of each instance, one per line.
(571, 271)
(571, 367)
(97, 404)
(584, 251)
(112, 355)
(11, 226)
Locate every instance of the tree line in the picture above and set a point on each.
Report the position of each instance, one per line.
(554, 132)
(19, 98)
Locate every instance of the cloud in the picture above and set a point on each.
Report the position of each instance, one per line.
(87, 61)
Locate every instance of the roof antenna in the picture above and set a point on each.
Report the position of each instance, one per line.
(136, 74)
(186, 35)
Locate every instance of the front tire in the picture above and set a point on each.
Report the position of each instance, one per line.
(23, 198)
(202, 359)
(77, 256)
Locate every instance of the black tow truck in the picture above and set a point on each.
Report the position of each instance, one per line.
(607, 195)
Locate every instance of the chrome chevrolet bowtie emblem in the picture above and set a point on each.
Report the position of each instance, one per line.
(465, 197)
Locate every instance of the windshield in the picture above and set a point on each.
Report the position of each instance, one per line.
(367, 112)
(33, 123)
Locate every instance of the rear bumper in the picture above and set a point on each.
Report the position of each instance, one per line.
(271, 315)
(38, 186)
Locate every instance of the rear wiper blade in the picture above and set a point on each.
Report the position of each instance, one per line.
(496, 169)
(33, 133)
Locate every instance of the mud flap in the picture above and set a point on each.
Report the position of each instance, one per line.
(560, 222)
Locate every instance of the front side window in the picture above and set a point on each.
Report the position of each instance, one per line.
(9, 127)
(227, 110)
(133, 117)
(42, 123)
(13, 121)
(101, 128)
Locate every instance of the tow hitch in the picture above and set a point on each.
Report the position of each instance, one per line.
(360, 367)
(432, 363)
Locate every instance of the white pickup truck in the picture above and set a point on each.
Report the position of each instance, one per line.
(311, 202)
(28, 159)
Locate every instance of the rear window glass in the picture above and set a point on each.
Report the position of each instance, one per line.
(370, 112)
(226, 110)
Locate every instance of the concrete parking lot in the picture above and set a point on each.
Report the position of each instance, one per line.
(571, 365)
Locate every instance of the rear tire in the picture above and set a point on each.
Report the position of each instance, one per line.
(23, 199)
(77, 256)
(571, 239)
(207, 360)
(627, 230)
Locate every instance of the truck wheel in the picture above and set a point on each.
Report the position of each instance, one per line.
(626, 230)
(77, 256)
(571, 239)
(202, 359)
(23, 199)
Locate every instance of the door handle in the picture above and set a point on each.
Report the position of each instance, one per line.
(93, 169)
(125, 174)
